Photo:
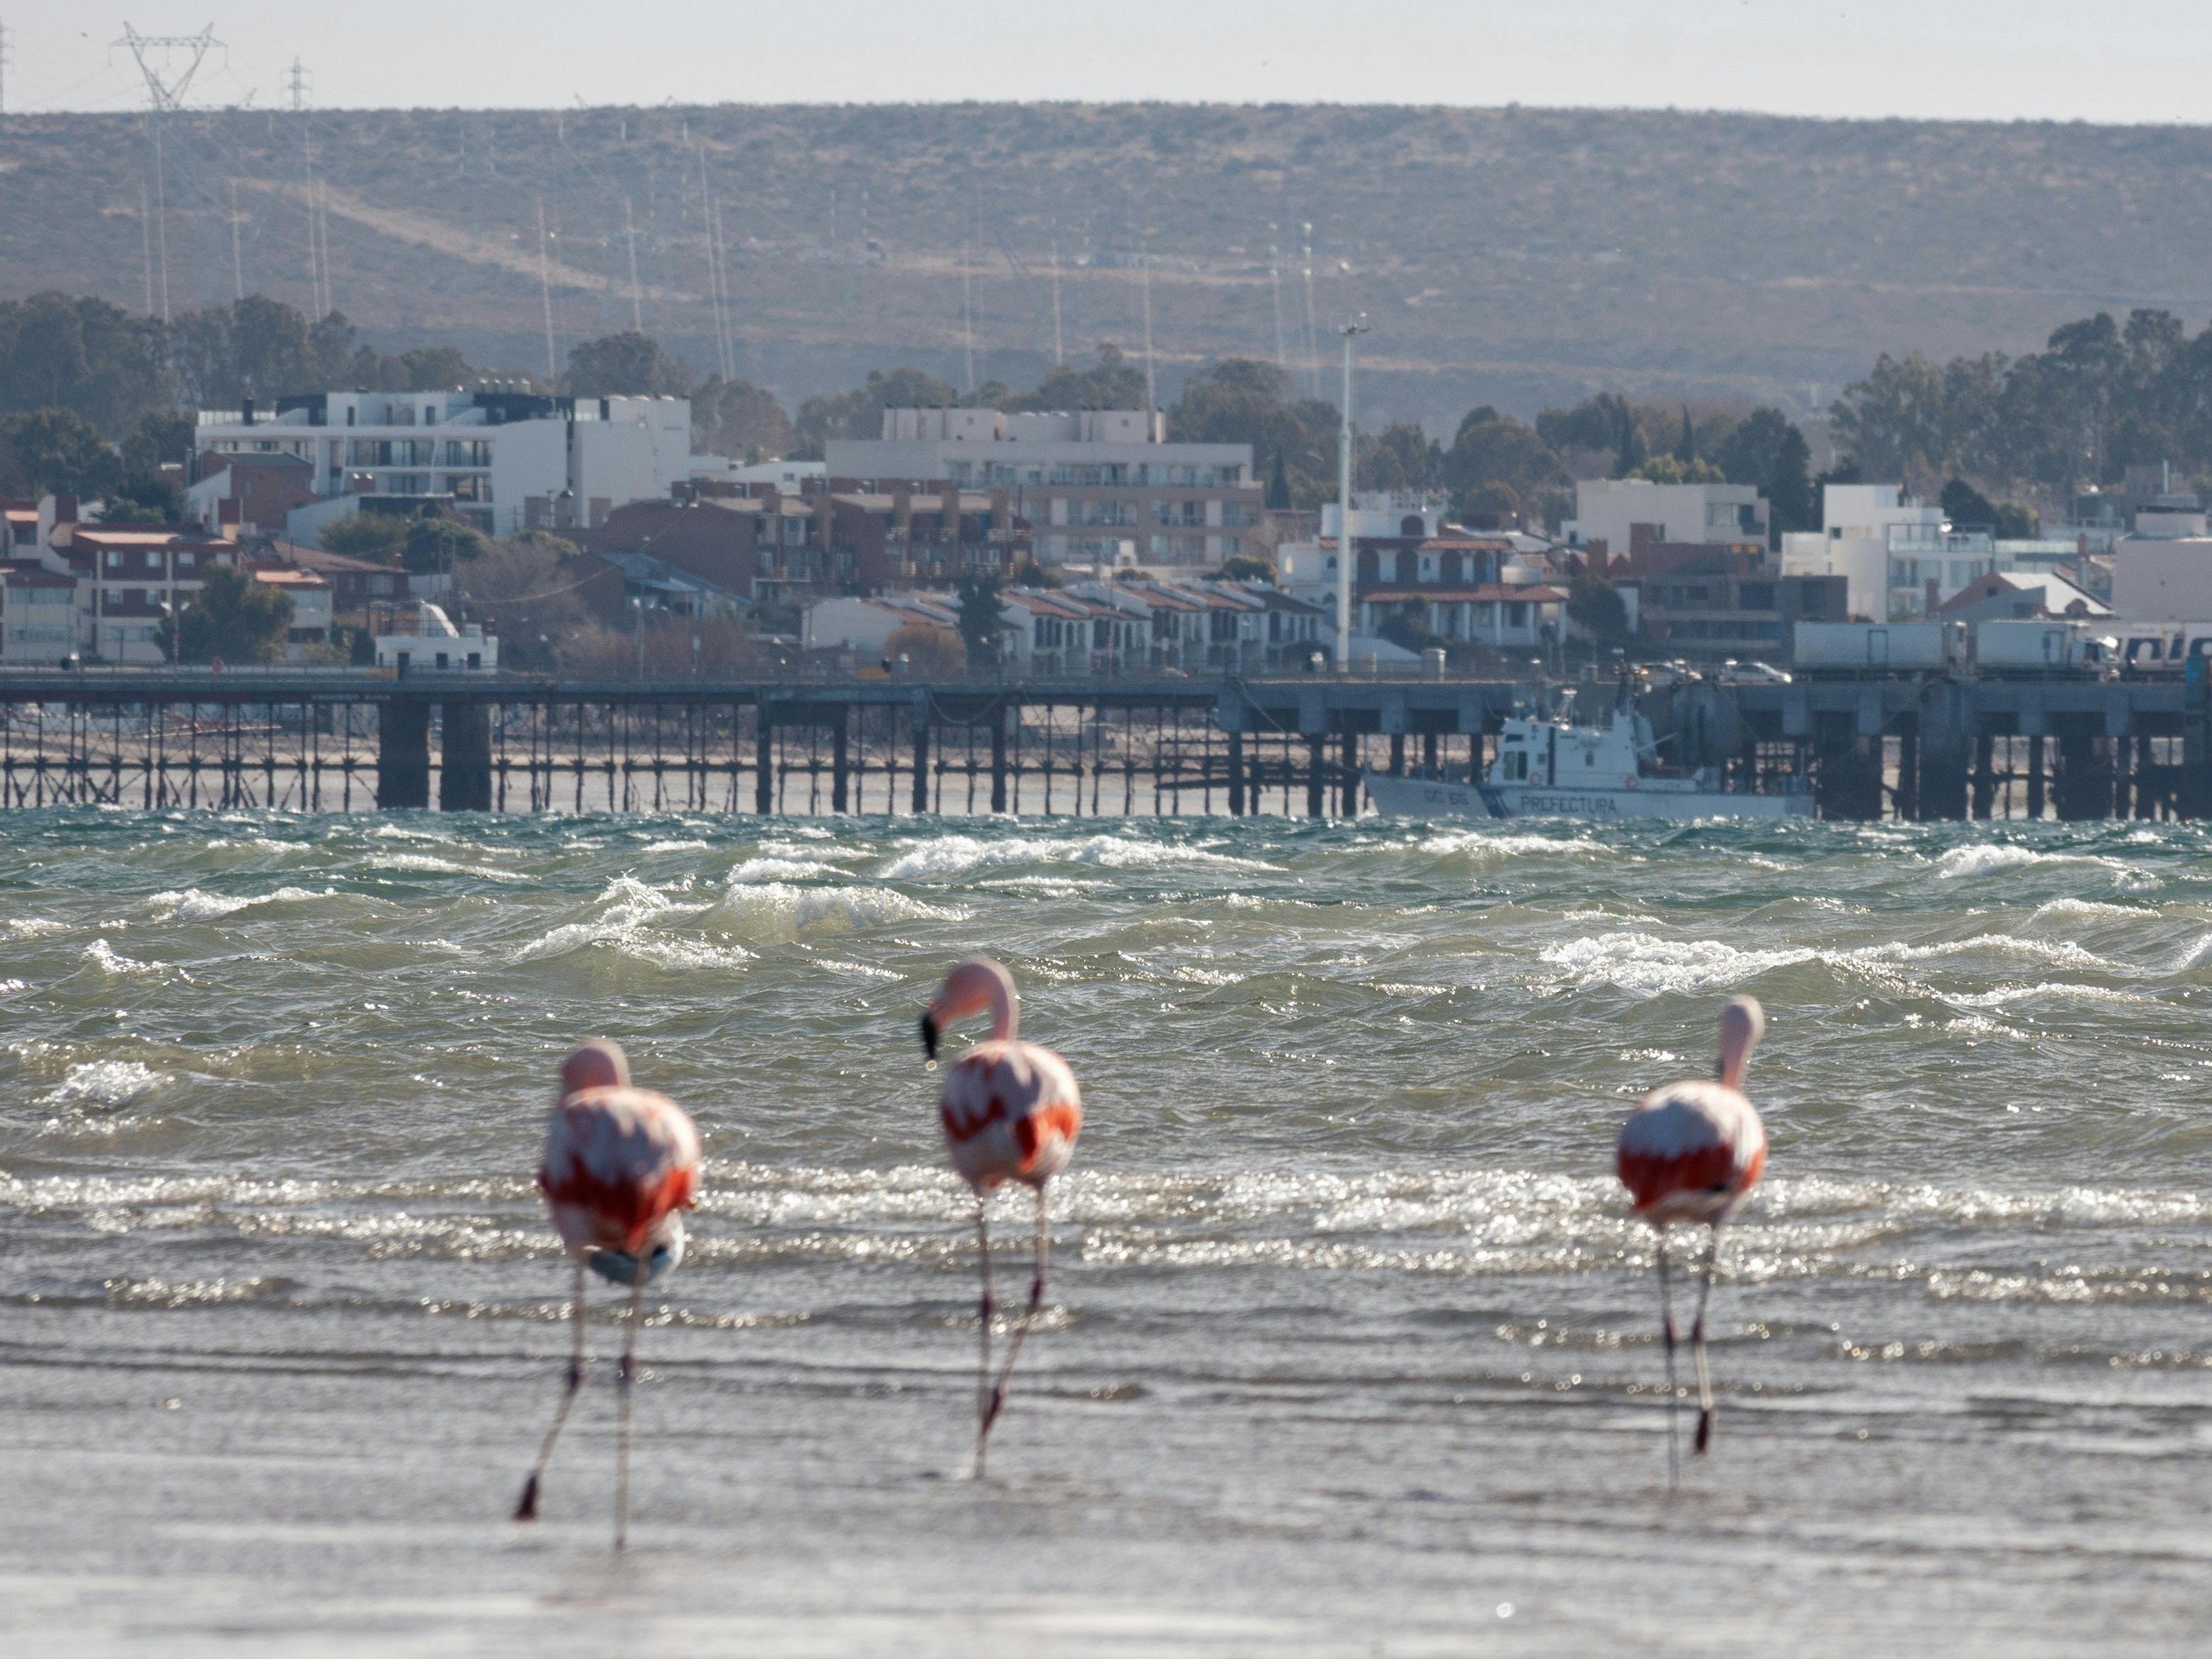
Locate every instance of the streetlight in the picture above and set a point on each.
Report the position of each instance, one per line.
(1356, 326)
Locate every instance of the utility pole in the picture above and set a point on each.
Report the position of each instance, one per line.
(545, 291)
(1059, 344)
(1356, 325)
(967, 314)
(297, 81)
(636, 293)
(237, 256)
(1144, 282)
(3, 67)
(1275, 282)
(1313, 334)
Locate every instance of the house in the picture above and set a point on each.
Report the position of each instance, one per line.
(311, 605)
(354, 584)
(257, 492)
(38, 613)
(132, 578)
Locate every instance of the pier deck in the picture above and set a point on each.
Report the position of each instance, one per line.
(1913, 746)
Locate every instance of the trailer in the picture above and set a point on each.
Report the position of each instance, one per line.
(1895, 645)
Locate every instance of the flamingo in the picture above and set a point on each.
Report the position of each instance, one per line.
(1692, 1152)
(621, 1165)
(1011, 1112)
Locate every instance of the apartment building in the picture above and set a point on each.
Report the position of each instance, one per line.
(1700, 599)
(483, 455)
(1101, 487)
(1608, 510)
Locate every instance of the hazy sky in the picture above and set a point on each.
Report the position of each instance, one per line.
(2123, 60)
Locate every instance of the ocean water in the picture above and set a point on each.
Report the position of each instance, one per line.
(1352, 1346)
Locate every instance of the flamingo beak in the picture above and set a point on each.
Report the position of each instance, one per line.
(929, 1035)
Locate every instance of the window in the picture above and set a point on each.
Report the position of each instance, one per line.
(1756, 596)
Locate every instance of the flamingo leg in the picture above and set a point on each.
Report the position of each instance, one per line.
(1666, 1331)
(1698, 1346)
(527, 1509)
(623, 1381)
(998, 1401)
(986, 1313)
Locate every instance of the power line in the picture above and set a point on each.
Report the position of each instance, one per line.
(3, 68)
(298, 82)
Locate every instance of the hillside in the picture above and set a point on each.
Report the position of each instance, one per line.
(1520, 257)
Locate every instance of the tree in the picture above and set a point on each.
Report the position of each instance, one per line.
(159, 439)
(56, 450)
(1665, 469)
(1242, 400)
(1963, 504)
(377, 537)
(145, 498)
(981, 621)
(1111, 382)
(929, 651)
(1765, 450)
(629, 364)
(740, 420)
(1596, 606)
(1685, 446)
(1243, 567)
(528, 588)
(1030, 573)
(235, 617)
(1401, 457)
(436, 543)
(859, 413)
(1279, 487)
(1494, 449)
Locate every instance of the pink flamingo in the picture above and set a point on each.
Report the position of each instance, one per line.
(1011, 1112)
(621, 1165)
(1692, 1152)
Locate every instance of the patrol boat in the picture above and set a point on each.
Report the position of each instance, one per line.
(1548, 769)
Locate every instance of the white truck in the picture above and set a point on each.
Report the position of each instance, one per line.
(2051, 646)
(1892, 645)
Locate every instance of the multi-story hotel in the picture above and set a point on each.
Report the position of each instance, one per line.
(1098, 487)
(485, 455)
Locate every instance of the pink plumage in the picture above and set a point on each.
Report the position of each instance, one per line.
(1692, 1152)
(1011, 1109)
(620, 1162)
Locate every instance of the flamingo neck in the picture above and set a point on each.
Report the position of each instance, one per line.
(977, 985)
(1005, 1007)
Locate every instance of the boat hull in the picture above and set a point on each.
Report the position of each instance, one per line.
(1434, 798)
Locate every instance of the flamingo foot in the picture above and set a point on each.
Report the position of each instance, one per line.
(527, 1509)
(1705, 1439)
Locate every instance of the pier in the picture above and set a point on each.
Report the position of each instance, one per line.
(1872, 746)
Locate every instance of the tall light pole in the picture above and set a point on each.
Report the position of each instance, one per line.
(1344, 554)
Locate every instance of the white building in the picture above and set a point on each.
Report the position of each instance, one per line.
(2163, 578)
(1895, 554)
(484, 454)
(1609, 509)
(1087, 481)
(423, 637)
